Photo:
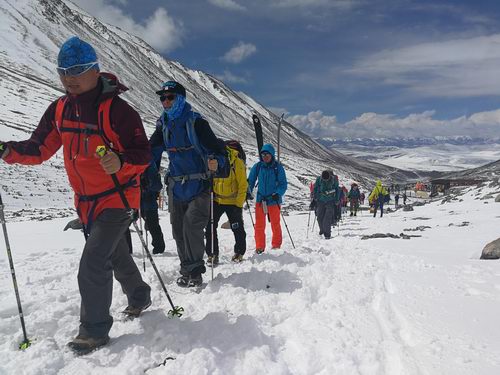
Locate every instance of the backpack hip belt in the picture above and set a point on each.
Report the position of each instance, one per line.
(188, 177)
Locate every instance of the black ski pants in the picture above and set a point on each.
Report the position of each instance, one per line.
(235, 216)
(189, 220)
(152, 225)
(324, 212)
(379, 203)
(106, 252)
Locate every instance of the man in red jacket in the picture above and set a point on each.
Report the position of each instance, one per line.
(92, 114)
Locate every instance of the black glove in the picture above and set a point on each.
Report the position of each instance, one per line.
(275, 197)
(3, 148)
(312, 206)
(74, 224)
(249, 196)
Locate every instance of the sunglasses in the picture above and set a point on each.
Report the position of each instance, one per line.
(264, 154)
(76, 70)
(169, 97)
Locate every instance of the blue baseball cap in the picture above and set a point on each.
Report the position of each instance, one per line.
(75, 51)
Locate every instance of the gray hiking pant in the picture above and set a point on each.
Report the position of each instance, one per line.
(189, 220)
(107, 251)
(324, 210)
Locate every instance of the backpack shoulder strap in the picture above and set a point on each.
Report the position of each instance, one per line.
(192, 136)
(104, 120)
(61, 102)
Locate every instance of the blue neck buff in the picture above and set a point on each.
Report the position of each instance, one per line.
(176, 110)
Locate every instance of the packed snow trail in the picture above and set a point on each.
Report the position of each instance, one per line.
(340, 306)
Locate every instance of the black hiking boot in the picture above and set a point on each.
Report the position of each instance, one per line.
(259, 251)
(214, 259)
(237, 258)
(82, 345)
(158, 250)
(195, 280)
(134, 312)
(183, 281)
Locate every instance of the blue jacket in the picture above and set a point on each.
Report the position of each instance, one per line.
(185, 160)
(271, 177)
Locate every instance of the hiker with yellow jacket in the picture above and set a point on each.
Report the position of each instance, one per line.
(378, 197)
(229, 197)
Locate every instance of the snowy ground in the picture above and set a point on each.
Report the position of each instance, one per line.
(424, 305)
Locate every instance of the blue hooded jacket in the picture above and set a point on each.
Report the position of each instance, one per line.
(271, 177)
(184, 159)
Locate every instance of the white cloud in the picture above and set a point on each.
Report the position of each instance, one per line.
(373, 125)
(454, 68)
(160, 30)
(227, 4)
(228, 77)
(239, 52)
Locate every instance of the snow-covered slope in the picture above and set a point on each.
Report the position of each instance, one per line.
(424, 305)
(33, 30)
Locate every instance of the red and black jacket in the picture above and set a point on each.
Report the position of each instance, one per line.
(80, 124)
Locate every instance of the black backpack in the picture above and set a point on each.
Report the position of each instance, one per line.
(235, 145)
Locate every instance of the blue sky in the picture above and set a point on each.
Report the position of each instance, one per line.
(338, 68)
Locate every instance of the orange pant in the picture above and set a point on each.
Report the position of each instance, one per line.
(260, 226)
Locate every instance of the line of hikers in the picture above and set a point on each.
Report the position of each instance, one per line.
(205, 178)
(329, 200)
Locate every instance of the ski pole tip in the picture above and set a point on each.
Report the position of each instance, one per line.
(25, 345)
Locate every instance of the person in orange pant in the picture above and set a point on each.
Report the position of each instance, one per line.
(272, 186)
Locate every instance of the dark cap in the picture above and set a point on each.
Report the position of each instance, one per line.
(172, 87)
(325, 175)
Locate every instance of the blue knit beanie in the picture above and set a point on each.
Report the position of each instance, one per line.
(75, 51)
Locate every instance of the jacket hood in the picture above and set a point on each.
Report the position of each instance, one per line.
(379, 183)
(111, 85)
(268, 148)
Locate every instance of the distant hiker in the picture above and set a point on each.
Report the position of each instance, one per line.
(150, 190)
(194, 156)
(396, 199)
(72, 121)
(404, 198)
(362, 197)
(353, 196)
(326, 191)
(272, 186)
(230, 195)
(378, 197)
(339, 209)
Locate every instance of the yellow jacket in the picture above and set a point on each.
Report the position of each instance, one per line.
(233, 189)
(379, 189)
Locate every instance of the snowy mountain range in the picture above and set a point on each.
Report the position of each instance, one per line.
(33, 30)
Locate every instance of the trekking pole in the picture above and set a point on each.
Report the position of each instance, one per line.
(308, 221)
(212, 221)
(26, 342)
(140, 224)
(286, 226)
(250, 212)
(176, 310)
